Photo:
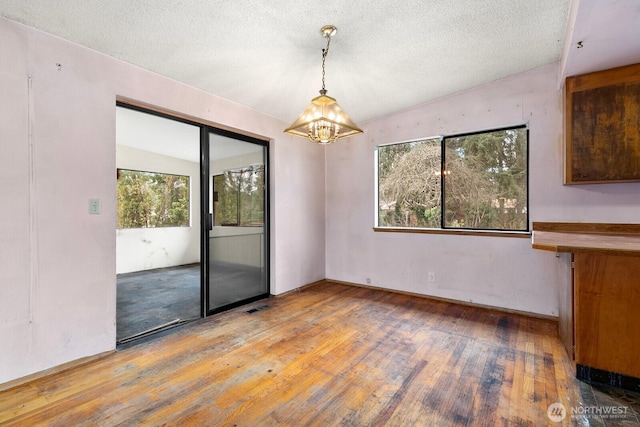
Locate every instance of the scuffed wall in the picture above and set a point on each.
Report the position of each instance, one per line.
(57, 151)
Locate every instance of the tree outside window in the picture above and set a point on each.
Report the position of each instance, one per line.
(238, 196)
(473, 181)
(151, 199)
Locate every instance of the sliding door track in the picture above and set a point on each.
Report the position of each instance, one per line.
(172, 324)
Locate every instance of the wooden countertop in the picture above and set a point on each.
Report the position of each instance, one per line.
(611, 239)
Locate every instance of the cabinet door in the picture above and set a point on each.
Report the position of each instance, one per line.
(607, 314)
(603, 126)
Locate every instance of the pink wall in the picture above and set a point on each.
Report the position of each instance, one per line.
(57, 262)
(497, 271)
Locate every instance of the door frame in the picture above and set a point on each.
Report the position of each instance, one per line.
(205, 130)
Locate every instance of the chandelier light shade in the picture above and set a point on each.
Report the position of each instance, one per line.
(323, 121)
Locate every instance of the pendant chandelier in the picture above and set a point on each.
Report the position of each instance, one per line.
(323, 121)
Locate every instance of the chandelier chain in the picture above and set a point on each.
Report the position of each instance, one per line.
(324, 57)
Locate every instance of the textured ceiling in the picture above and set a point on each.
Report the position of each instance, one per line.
(387, 55)
(603, 34)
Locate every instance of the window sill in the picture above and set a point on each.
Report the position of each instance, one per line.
(461, 232)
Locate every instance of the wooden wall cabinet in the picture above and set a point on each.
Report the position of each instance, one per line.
(602, 126)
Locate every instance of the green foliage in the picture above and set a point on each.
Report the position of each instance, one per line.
(225, 187)
(240, 197)
(487, 184)
(148, 199)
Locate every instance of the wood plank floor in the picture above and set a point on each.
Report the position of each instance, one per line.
(327, 355)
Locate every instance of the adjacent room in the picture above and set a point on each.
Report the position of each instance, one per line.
(162, 280)
(157, 248)
(191, 234)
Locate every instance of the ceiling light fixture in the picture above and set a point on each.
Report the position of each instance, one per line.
(323, 121)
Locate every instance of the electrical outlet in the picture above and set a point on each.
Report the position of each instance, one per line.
(94, 206)
(432, 277)
(368, 281)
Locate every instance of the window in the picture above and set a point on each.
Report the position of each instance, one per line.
(151, 199)
(475, 181)
(238, 197)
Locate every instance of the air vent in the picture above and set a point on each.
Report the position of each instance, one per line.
(253, 310)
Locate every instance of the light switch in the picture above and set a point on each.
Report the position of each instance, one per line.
(94, 206)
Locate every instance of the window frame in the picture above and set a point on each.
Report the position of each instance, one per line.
(238, 197)
(443, 229)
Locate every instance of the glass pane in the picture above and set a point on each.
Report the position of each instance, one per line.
(409, 184)
(237, 239)
(485, 180)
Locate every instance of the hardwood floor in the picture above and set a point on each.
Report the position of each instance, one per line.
(327, 355)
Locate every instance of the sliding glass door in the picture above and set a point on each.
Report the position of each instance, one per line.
(237, 204)
(184, 186)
